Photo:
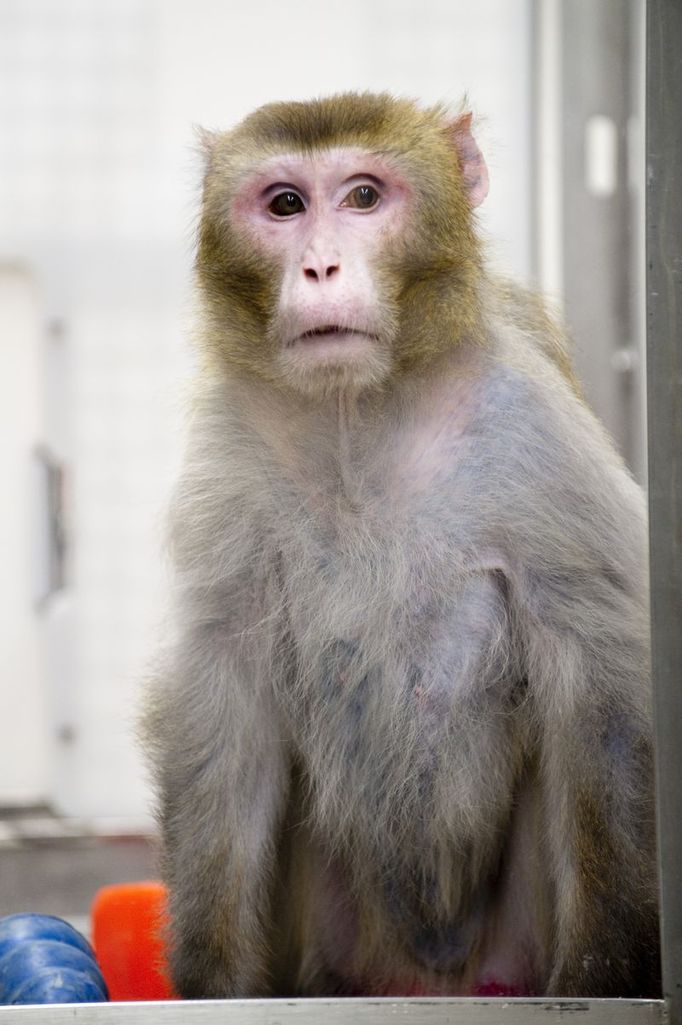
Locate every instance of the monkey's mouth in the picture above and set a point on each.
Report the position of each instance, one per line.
(334, 355)
(333, 332)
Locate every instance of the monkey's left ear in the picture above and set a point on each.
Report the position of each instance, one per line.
(471, 162)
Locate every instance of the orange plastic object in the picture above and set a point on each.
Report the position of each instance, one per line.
(127, 929)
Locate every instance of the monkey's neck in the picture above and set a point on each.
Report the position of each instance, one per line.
(347, 419)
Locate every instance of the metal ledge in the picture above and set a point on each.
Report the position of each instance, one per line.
(379, 1011)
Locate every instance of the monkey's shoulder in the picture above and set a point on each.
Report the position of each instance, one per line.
(524, 398)
(517, 408)
(523, 456)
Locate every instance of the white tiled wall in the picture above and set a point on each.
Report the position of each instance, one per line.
(98, 187)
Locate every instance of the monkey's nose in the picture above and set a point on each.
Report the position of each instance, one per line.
(320, 270)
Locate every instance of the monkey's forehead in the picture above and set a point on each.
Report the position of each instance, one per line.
(364, 118)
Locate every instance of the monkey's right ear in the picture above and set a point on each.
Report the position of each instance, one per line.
(206, 142)
(472, 165)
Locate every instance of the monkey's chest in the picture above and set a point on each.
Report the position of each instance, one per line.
(367, 624)
(391, 641)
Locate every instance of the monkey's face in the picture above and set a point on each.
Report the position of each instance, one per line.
(336, 245)
(326, 225)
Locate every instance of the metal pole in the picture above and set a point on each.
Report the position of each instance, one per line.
(664, 369)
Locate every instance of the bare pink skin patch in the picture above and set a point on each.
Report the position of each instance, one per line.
(493, 988)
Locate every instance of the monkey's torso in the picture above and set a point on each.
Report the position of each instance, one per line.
(415, 853)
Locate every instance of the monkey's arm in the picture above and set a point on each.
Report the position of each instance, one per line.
(596, 752)
(582, 612)
(222, 767)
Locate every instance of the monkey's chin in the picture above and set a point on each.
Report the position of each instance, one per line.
(348, 360)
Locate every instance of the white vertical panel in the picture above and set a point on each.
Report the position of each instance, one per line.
(23, 768)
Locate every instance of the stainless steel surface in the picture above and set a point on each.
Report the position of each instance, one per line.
(664, 368)
(333, 1012)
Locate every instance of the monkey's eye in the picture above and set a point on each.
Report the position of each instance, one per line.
(286, 204)
(362, 197)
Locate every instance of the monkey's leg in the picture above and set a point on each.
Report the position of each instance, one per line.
(517, 945)
(222, 766)
(598, 795)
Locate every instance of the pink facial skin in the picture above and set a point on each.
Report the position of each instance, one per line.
(327, 249)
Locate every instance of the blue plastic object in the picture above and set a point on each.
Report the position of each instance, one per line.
(16, 929)
(44, 960)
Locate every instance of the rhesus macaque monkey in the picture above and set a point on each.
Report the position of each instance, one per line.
(402, 735)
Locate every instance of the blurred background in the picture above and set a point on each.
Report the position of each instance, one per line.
(99, 184)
